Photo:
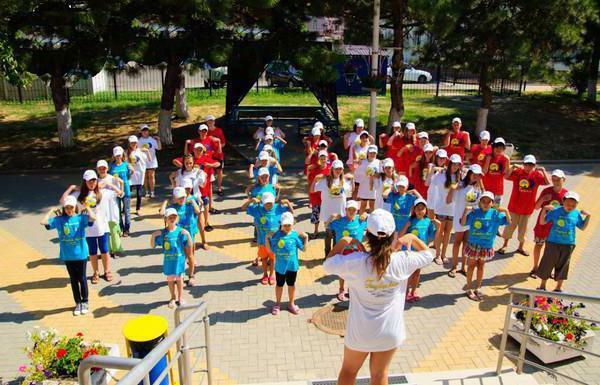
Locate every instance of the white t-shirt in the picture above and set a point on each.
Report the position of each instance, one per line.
(361, 152)
(197, 176)
(100, 226)
(432, 191)
(260, 133)
(152, 145)
(362, 176)
(333, 200)
(462, 197)
(351, 139)
(380, 186)
(440, 207)
(109, 205)
(376, 315)
(139, 160)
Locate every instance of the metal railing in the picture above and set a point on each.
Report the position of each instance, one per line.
(526, 333)
(139, 369)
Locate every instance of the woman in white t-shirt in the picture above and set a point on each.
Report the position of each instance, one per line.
(443, 208)
(383, 183)
(363, 173)
(377, 281)
(139, 159)
(111, 189)
(465, 194)
(439, 167)
(152, 143)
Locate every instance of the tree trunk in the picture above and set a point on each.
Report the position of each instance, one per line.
(593, 69)
(181, 108)
(172, 81)
(486, 99)
(397, 81)
(63, 113)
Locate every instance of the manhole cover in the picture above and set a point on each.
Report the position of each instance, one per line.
(332, 319)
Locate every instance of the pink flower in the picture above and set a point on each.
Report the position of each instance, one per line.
(39, 367)
(22, 368)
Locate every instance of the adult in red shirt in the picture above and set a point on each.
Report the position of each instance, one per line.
(526, 181)
(457, 141)
(554, 196)
(321, 168)
(407, 153)
(217, 132)
(480, 151)
(496, 168)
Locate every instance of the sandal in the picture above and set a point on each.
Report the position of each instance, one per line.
(213, 211)
(220, 192)
(452, 273)
(501, 251)
(264, 280)
(294, 309)
(463, 272)
(557, 290)
(275, 309)
(439, 261)
(479, 294)
(255, 262)
(313, 236)
(472, 296)
(271, 280)
(409, 297)
(341, 296)
(208, 228)
(172, 304)
(108, 276)
(540, 288)
(522, 252)
(533, 274)
(416, 298)
(191, 282)
(95, 278)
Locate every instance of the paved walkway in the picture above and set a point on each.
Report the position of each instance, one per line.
(446, 331)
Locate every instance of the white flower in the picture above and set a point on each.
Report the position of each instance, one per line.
(538, 328)
(561, 337)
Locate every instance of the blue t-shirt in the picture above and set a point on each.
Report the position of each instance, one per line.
(258, 190)
(187, 217)
(483, 226)
(272, 172)
(401, 206)
(424, 229)
(123, 172)
(285, 247)
(277, 147)
(343, 227)
(71, 234)
(173, 244)
(563, 225)
(265, 221)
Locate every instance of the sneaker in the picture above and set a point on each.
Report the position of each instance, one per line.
(85, 307)
(77, 310)
(152, 195)
(147, 194)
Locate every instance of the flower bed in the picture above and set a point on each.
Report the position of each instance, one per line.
(55, 359)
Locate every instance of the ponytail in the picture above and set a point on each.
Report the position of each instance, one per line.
(380, 249)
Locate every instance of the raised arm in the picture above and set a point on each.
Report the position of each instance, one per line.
(153, 238)
(68, 192)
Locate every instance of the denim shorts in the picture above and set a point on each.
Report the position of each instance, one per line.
(98, 243)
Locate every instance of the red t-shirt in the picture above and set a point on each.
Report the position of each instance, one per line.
(314, 158)
(524, 190)
(458, 140)
(218, 133)
(556, 199)
(479, 153)
(493, 180)
(207, 142)
(315, 197)
(397, 143)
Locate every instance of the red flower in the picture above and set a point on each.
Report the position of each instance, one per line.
(569, 336)
(90, 352)
(60, 353)
(79, 334)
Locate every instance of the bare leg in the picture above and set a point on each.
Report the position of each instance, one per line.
(363, 206)
(559, 284)
(379, 365)
(458, 239)
(480, 266)
(171, 289)
(291, 295)
(94, 262)
(179, 288)
(278, 294)
(352, 363)
(104, 262)
(446, 237)
(470, 270)
(264, 266)
(371, 206)
(220, 179)
(537, 251)
(151, 181)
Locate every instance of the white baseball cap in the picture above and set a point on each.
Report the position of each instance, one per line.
(529, 159)
(500, 140)
(411, 126)
(337, 164)
(420, 200)
(402, 181)
(441, 153)
(269, 131)
(315, 131)
(133, 139)
(372, 148)
(209, 117)
(267, 198)
(267, 147)
(363, 133)
(455, 158)
(179, 192)
(263, 171)
(101, 163)
(199, 145)
(268, 117)
(144, 127)
(263, 155)
(428, 147)
(118, 150)
(387, 162)
(457, 119)
(351, 204)
(170, 211)
(488, 194)
(187, 183)
(89, 175)
(322, 153)
(476, 169)
(484, 135)
(268, 136)
(422, 135)
(70, 201)
(287, 218)
(203, 127)
(396, 124)
(559, 173)
(323, 143)
(381, 221)
(359, 122)
(572, 195)
(318, 124)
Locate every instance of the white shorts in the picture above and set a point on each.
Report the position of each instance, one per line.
(364, 192)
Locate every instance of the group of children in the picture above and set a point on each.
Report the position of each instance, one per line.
(431, 192)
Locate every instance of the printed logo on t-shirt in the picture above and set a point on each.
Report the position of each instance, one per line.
(471, 197)
(346, 233)
(415, 232)
(281, 244)
(560, 222)
(258, 196)
(66, 230)
(263, 220)
(554, 203)
(380, 288)
(362, 155)
(167, 246)
(455, 142)
(494, 167)
(477, 224)
(335, 190)
(525, 184)
(90, 201)
(418, 158)
(132, 158)
(396, 206)
(147, 145)
(481, 156)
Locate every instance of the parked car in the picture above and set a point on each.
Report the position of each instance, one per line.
(215, 77)
(411, 74)
(282, 74)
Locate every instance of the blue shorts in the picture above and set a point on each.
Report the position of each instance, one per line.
(98, 243)
(205, 201)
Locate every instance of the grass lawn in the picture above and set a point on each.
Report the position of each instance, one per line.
(548, 125)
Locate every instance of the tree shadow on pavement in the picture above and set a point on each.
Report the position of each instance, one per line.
(31, 315)
(136, 308)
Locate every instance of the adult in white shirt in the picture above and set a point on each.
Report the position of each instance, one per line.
(111, 189)
(377, 280)
(139, 159)
(363, 176)
(152, 143)
(268, 130)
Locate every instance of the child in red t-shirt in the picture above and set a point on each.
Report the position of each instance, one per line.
(495, 169)
(216, 132)
(457, 141)
(554, 196)
(526, 181)
(480, 151)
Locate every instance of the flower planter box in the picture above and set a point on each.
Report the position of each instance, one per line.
(99, 377)
(547, 352)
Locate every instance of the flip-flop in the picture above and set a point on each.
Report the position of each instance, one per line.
(472, 296)
(557, 290)
(95, 278)
(255, 262)
(533, 274)
(108, 276)
(452, 273)
(409, 297)
(415, 298)
(271, 280)
(501, 251)
(439, 261)
(479, 294)
(294, 309)
(463, 272)
(264, 280)
(523, 252)
(341, 296)
(275, 309)
(540, 288)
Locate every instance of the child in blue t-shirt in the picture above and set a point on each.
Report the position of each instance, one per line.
(401, 201)
(176, 243)
(284, 244)
(122, 170)
(351, 225)
(561, 240)
(73, 247)
(483, 225)
(426, 230)
(257, 189)
(267, 218)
